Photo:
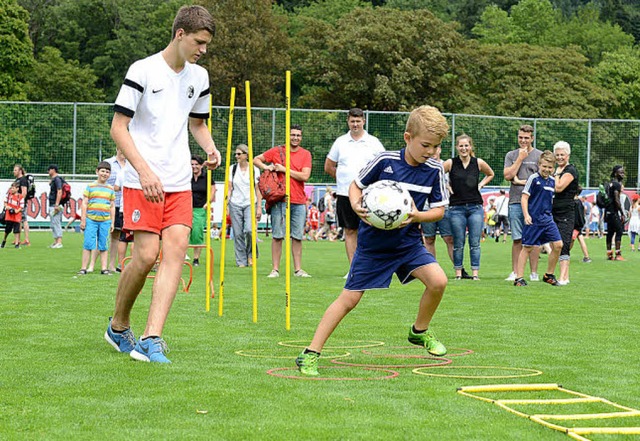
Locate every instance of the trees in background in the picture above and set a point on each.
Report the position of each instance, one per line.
(15, 50)
(467, 56)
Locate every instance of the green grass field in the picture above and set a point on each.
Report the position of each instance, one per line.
(59, 379)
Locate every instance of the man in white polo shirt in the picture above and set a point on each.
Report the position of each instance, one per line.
(161, 97)
(348, 155)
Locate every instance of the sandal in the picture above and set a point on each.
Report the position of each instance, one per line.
(475, 278)
(82, 272)
(105, 272)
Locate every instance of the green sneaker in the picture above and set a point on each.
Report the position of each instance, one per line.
(308, 364)
(429, 341)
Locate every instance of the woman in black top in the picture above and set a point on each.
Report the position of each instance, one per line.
(465, 202)
(566, 177)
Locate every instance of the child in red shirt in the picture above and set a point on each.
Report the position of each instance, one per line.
(13, 206)
(312, 218)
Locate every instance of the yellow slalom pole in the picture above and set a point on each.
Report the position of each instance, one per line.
(207, 250)
(223, 223)
(287, 235)
(252, 201)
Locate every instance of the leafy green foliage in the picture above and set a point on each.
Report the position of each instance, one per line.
(537, 22)
(54, 79)
(619, 72)
(389, 64)
(250, 44)
(524, 80)
(15, 50)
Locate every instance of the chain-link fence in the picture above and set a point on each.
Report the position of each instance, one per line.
(76, 136)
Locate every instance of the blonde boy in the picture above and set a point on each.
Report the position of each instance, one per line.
(379, 254)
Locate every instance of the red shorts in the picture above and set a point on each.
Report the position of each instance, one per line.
(313, 225)
(142, 215)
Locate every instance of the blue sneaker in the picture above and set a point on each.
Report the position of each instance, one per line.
(122, 342)
(151, 349)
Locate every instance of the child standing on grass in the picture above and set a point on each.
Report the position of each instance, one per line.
(381, 253)
(13, 215)
(98, 214)
(539, 228)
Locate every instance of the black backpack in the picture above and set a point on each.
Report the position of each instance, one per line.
(321, 206)
(31, 187)
(602, 198)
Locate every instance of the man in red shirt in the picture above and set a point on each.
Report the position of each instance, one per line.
(299, 174)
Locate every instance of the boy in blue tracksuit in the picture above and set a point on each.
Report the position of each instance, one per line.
(539, 228)
(380, 253)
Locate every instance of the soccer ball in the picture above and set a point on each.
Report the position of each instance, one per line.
(388, 204)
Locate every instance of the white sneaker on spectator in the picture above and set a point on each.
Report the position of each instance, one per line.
(273, 274)
(301, 273)
(511, 277)
(534, 277)
(563, 282)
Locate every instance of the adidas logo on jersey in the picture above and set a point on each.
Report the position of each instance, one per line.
(389, 170)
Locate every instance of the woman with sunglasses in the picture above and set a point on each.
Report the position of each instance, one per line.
(240, 205)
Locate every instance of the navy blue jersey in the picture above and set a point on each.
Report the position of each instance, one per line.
(540, 193)
(425, 182)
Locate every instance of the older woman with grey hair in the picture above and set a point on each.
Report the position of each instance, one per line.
(566, 176)
(240, 205)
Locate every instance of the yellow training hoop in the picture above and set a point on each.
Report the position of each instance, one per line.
(526, 372)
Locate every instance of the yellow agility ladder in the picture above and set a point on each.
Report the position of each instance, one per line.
(578, 398)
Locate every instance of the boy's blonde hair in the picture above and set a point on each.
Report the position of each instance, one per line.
(427, 119)
(548, 156)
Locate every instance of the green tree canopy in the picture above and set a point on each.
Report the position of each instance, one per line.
(54, 79)
(389, 64)
(16, 56)
(532, 81)
(619, 72)
(250, 44)
(538, 22)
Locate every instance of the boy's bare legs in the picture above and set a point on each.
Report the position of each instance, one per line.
(175, 240)
(556, 247)
(435, 282)
(92, 260)
(134, 276)
(522, 260)
(104, 259)
(346, 301)
(533, 255)
(534, 258)
(86, 256)
(122, 252)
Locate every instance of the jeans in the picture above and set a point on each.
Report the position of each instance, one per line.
(241, 224)
(463, 217)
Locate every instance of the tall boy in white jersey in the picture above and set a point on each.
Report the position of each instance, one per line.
(379, 253)
(161, 97)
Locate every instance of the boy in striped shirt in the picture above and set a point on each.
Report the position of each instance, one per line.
(98, 214)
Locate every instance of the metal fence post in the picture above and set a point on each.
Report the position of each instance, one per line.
(638, 178)
(588, 170)
(273, 127)
(75, 136)
(453, 136)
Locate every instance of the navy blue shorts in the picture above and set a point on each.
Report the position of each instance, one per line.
(536, 235)
(371, 270)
